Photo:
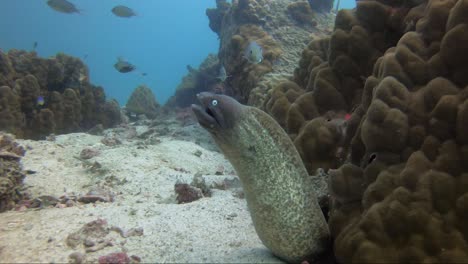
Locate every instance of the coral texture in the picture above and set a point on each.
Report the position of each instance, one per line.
(398, 163)
(404, 196)
(142, 101)
(273, 25)
(43, 96)
(11, 174)
(196, 81)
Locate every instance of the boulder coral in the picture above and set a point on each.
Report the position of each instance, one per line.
(11, 173)
(142, 101)
(403, 197)
(43, 96)
(398, 164)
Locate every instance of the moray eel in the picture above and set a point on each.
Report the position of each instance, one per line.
(277, 187)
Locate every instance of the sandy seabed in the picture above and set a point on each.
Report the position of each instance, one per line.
(216, 229)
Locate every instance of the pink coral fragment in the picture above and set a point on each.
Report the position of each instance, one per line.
(114, 258)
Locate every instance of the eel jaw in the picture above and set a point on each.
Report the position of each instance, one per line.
(205, 117)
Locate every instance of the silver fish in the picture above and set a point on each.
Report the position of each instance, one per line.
(63, 6)
(222, 74)
(123, 11)
(253, 52)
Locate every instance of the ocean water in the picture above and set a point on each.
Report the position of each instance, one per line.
(345, 4)
(161, 40)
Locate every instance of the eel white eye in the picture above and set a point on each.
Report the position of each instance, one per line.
(214, 102)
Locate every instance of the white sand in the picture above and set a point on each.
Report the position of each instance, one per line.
(212, 229)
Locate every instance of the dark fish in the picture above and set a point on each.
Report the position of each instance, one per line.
(123, 66)
(34, 45)
(123, 11)
(63, 6)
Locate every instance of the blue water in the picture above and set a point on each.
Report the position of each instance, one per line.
(346, 4)
(166, 36)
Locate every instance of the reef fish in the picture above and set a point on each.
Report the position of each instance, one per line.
(123, 66)
(40, 101)
(277, 187)
(222, 76)
(253, 52)
(63, 6)
(123, 11)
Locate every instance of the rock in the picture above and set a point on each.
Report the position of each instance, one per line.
(88, 153)
(114, 258)
(187, 193)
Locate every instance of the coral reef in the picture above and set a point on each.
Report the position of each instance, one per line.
(197, 80)
(397, 164)
(142, 101)
(43, 96)
(321, 5)
(271, 24)
(302, 13)
(11, 173)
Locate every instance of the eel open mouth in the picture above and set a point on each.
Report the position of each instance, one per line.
(205, 116)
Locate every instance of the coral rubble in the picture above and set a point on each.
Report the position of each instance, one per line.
(11, 173)
(43, 96)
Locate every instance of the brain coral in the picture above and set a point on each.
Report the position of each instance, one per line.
(70, 102)
(142, 101)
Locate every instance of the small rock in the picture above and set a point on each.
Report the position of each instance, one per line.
(88, 243)
(111, 141)
(199, 182)
(187, 193)
(92, 199)
(135, 259)
(88, 153)
(114, 258)
(69, 203)
(76, 257)
(198, 153)
(219, 170)
(231, 216)
(134, 232)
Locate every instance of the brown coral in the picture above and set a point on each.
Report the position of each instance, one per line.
(71, 103)
(142, 101)
(409, 152)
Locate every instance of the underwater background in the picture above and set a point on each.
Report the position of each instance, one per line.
(161, 40)
(292, 132)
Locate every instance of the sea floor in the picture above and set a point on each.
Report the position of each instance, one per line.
(132, 174)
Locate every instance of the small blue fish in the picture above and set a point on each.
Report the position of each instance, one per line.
(253, 52)
(40, 101)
